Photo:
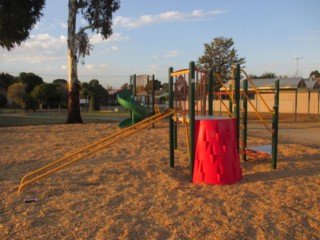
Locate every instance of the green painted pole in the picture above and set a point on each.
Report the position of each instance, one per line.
(245, 120)
(175, 134)
(275, 125)
(210, 93)
(153, 97)
(237, 100)
(192, 115)
(133, 91)
(171, 123)
(230, 100)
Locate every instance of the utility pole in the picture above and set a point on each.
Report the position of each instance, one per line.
(297, 59)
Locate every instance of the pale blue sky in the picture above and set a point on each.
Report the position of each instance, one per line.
(152, 35)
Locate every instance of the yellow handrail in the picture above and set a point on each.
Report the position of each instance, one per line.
(180, 72)
(229, 113)
(257, 91)
(257, 113)
(139, 126)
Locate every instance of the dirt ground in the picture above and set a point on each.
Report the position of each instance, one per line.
(128, 191)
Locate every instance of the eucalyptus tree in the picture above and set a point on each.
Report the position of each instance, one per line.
(98, 16)
(17, 19)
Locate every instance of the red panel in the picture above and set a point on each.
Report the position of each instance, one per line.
(216, 159)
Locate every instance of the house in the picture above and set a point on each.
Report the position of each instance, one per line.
(269, 83)
(112, 97)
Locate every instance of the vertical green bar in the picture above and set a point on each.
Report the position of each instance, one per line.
(134, 88)
(230, 100)
(171, 123)
(275, 124)
(134, 85)
(175, 134)
(245, 120)
(192, 115)
(153, 97)
(237, 100)
(153, 93)
(210, 92)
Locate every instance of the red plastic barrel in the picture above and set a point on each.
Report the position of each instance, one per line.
(216, 157)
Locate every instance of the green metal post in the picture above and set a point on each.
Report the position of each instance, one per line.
(153, 97)
(244, 120)
(237, 100)
(134, 85)
(175, 134)
(171, 123)
(192, 115)
(275, 124)
(210, 93)
(153, 92)
(230, 100)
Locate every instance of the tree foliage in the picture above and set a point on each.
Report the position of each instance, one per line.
(17, 18)
(6, 80)
(44, 93)
(16, 94)
(314, 75)
(220, 56)
(30, 79)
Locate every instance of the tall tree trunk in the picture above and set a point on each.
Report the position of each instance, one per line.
(74, 84)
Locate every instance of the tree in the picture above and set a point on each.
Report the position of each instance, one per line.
(220, 56)
(314, 75)
(98, 14)
(125, 86)
(16, 93)
(6, 80)
(17, 18)
(3, 101)
(30, 79)
(60, 81)
(268, 75)
(62, 91)
(94, 92)
(45, 93)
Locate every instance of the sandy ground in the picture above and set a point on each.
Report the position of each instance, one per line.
(127, 190)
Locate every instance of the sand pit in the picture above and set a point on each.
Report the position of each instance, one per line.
(127, 191)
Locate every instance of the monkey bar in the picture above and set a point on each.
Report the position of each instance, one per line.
(91, 149)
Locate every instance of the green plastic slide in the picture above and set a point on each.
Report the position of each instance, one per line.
(139, 112)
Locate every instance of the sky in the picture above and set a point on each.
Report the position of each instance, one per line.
(149, 36)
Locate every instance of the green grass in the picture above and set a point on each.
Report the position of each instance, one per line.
(9, 118)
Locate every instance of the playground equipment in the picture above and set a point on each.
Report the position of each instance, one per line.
(213, 142)
(140, 101)
(235, 93)
(91, 149)
(138, 112)
(191, 96)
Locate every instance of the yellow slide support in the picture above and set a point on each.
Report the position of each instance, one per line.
(93, 148)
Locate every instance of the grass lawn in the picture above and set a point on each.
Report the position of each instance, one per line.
(17, 118)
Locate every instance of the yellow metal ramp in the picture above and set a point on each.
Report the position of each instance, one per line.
(91, 149)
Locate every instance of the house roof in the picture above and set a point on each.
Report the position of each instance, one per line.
(311, 84)
(269, 83)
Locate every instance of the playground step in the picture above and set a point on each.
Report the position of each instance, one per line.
(263, 149)
(259, 152)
